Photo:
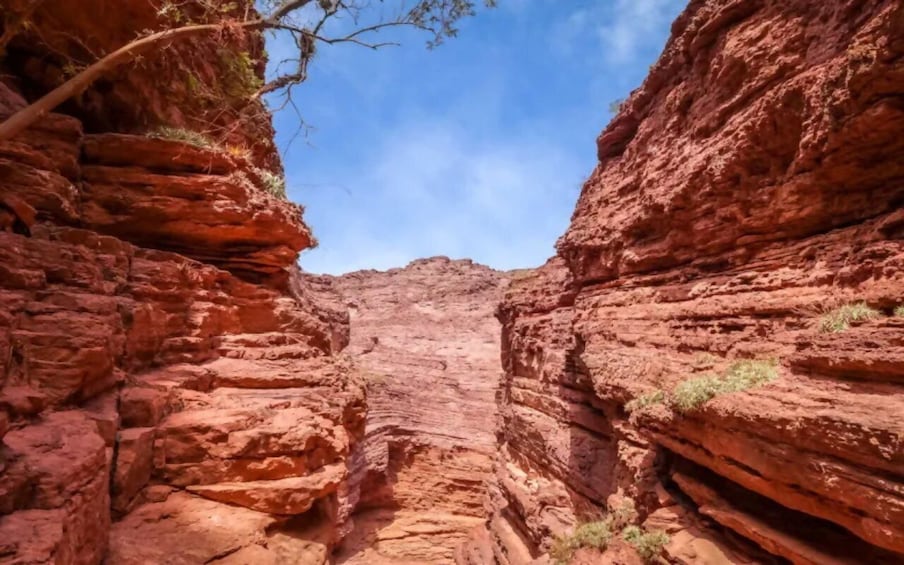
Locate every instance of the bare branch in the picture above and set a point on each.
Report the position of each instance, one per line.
(436, 17)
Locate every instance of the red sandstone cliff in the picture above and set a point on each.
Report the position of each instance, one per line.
(427, 346)
(752, 184)
(169, 388)
(170, 392)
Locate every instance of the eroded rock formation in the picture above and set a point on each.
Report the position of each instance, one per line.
(170, 390)
(750, 185)
(427, 345)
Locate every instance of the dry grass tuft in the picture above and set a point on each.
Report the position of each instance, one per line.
(841, 318)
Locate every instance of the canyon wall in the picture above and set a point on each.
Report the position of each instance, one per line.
(750, 187)
(172, 389)
(170, 386)
(426, 343)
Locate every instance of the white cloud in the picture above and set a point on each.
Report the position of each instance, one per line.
(566, 32)
(433, 188)
(623, 28)
(632, 25)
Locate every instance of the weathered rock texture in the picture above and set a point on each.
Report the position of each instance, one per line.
(427, 343)
(752, 182)
(170, 390)
(197, 84)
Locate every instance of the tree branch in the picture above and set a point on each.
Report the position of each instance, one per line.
(434, 16)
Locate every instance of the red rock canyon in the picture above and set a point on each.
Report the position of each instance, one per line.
(709, 370)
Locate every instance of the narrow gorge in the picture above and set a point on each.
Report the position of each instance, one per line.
(426, 343)
(709, 370)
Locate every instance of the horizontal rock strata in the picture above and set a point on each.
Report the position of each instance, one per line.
(427, 345)
(161, 407)
(746, 190)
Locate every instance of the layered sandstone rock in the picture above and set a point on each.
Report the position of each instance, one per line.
(426, 342)
(198, 84)
(158, 404)
(750, 185)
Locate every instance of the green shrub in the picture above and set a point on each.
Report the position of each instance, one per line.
(741, 375)
(899, 311)
(623, 514)
(841, 318)
(705, 359)
(695, 392)
(749, 373)
(183, 135)
(598, 534)
(644, 400)
(595, 535)
(273, 183)
(238, 75)
(649, 544)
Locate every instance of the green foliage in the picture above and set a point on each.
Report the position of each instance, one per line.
(183, 135)
(594, 535)
(238, 74)
(644, 400)
(623, 514)
(649, 544)
(841, 318)
(177, 14)
(692, 393)
(616, 105)
(192, 84)
(275, 184)
(739, 376)
(705, 359)
(440, 17)
(899, 311)
(597, 535)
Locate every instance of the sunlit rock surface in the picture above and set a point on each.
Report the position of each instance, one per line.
(426, 343)
(750, 185)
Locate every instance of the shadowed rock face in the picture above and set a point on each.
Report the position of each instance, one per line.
(194, 84)
(748, 186)
(152, 402)
(157, 403)
(427, 344)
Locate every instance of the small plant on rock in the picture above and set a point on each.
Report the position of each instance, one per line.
(183, 135)
(739, 376)
(899, 311)
(275, 184)
(239, 152)
(649, 544)
(841, 318)
(238, 74)
(644, 400)
(595, 535)
(695, 392)
(622, 513)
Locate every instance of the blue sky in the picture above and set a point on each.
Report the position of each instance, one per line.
(475, 149)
